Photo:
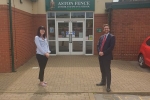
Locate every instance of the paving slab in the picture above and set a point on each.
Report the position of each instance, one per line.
(120, 97)
(76, 74)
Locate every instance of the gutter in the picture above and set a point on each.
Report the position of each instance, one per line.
(11, 37)
(127, 5)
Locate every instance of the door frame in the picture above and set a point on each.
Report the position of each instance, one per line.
(73, 39)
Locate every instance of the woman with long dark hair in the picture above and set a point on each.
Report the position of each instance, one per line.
(42, 52)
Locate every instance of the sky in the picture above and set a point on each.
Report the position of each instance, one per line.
(115, 0)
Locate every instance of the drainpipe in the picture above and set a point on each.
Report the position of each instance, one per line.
(109, 17)
(11, 37)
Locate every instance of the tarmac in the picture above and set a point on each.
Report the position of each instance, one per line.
(75, 78)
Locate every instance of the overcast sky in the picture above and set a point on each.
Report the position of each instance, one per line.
(115, 0)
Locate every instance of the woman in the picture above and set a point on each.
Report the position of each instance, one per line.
(42, 52)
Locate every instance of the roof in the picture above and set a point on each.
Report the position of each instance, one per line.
(127, 5)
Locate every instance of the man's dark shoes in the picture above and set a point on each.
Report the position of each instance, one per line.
(108, 89)
(101, 84)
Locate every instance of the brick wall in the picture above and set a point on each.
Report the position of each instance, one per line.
(5, 65)
(38, 20)
(24, 30)
(131, 27)
(99, 20)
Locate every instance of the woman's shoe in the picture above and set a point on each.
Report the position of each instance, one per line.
(45, 82)
(42, 84)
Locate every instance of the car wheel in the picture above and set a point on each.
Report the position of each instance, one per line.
(141, 61)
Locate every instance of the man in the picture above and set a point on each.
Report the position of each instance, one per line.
(105, 47)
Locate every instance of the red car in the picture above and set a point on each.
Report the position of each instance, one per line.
(144, 53)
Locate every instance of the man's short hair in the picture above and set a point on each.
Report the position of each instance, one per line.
(105, 25)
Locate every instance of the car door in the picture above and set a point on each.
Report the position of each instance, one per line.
(147, 52)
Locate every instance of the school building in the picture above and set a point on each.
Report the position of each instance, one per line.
(73, 27)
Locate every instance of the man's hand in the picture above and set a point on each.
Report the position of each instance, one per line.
(101, 53)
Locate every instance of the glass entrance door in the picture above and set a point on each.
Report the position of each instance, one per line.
(70, 38)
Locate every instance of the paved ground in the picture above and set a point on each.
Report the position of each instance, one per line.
(45, 96)
(120, 97)
(69, 96)
(72, 77)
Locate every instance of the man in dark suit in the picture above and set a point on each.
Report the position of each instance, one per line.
(105, 47)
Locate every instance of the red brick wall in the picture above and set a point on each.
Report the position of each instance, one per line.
(131, 27)
(24, 30)
(38, 20)
(5, 65)
(99, 20)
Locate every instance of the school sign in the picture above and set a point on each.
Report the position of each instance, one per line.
(70, 5)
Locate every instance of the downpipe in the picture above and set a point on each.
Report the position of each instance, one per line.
(11, 38)
(109, 17)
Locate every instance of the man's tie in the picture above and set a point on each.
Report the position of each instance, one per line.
(103, 42)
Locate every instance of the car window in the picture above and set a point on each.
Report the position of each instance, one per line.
(148, 42)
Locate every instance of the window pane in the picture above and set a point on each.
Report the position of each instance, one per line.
(89, 47)
(51, 29)
(89, 14)
(78, 15)
(148, 42)
(77, 29)
(51, 15)
(89, 29)
(63, 46)
(63, 29)
(63, 15)
(52, 47)
(77, 46)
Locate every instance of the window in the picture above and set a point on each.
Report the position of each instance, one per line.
(89, 14)
(51, 15)
(62, 15)
(148, 42)
(52, 47)
(89, 29)
(89, 47)
(51, 29)
(59, 29)
(77, 15)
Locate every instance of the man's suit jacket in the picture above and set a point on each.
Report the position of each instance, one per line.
(107, 48)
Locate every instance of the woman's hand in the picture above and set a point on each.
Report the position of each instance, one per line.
(47, 55)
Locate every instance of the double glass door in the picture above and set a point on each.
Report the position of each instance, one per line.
(70, 37)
